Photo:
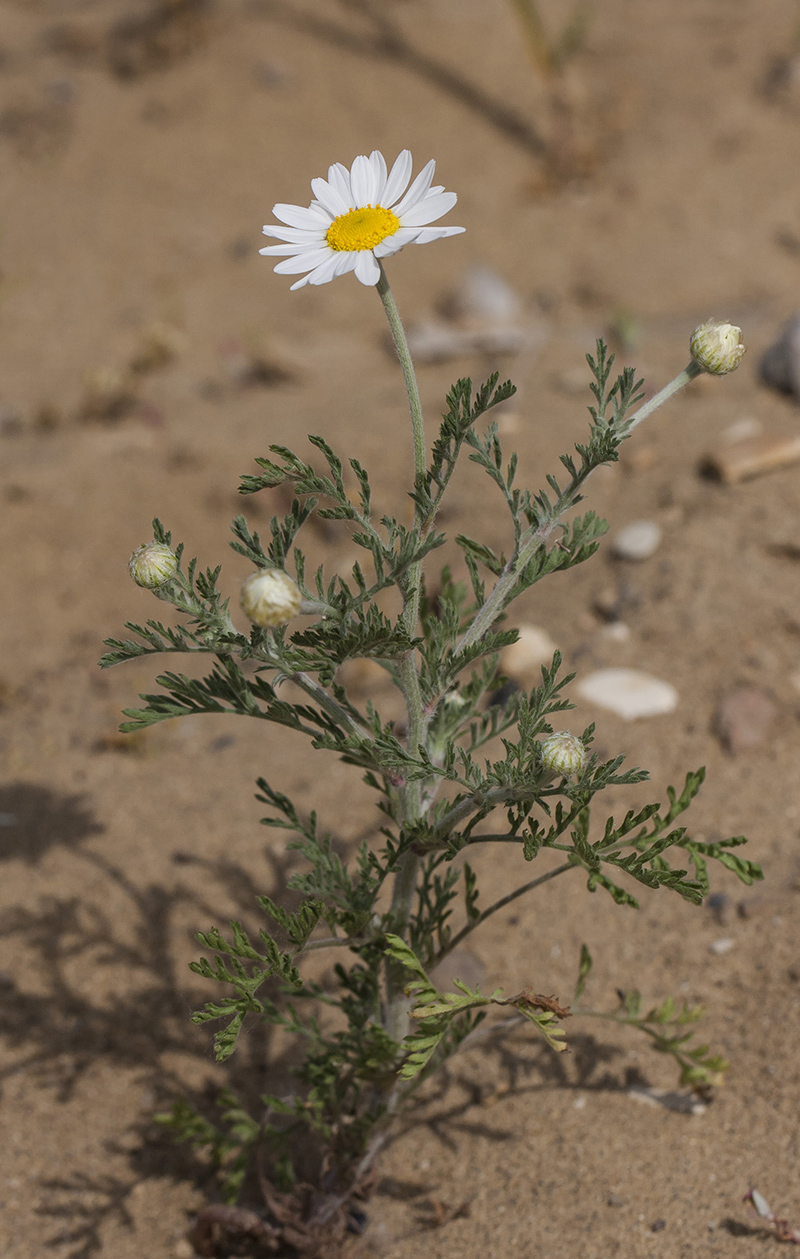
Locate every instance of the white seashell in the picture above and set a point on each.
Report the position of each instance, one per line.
(628, 693)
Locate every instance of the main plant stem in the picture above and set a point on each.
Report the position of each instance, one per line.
(396, 1016)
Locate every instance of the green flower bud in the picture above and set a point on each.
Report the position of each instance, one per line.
(563, 753)
(152, 565)
(270, 597)
(717, 347)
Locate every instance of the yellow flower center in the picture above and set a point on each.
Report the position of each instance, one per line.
(362, 229)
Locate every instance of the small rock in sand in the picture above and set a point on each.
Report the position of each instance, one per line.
(744, 718)
(637, 541)
(721, 946)
(780, 366)
(628, 692)
(484, 297)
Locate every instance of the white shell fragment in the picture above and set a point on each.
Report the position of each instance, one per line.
(628, 693)
(682, 1103)
(637, 541)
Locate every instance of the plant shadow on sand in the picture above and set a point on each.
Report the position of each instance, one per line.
(57, 1034)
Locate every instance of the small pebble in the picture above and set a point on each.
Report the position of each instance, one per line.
(523, 660)
(744, 718)
(614, 1200)
(435, 341)
(740, 430)
(637, 541)
(484, 297)
(669, 1099)
(721, 946)
(780, 365)
(615, 632)
(628, 692)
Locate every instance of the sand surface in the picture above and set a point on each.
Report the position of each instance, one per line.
(135, 175)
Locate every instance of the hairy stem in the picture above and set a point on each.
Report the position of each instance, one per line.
(409, 376)
(683, 378)
(396, 1016)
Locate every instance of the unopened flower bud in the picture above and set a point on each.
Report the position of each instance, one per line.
(152, 564)
(717, 347)
(270, 597)
(563, 753)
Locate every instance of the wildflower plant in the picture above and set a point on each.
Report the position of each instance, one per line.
(473, 763)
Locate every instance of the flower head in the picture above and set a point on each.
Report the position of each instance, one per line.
(152, 565)
(269, 597)
(563, 753)
(717, 347)
(359, 216)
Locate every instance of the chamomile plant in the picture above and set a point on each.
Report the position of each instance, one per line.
(472, 763)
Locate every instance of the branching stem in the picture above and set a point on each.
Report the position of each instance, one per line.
(532, 539)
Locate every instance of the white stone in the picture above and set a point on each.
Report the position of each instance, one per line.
(523, 660)
(616, 632)
(637, 541)
(628, 693)
(485, 296)
(722, 946)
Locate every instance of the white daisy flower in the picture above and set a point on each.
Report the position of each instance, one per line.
(359, 216)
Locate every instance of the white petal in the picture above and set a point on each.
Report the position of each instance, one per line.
(298, 284)
(298, 234)
(396, 241)
(367, 269)
(428, 210)
(417, 190)
(303, 262)
(435, 188)
(347, 261)
(398, 179)
(296, 216)
(326, 270)
(284, 251)
(426, 234)
(378, 164)
(330, 198)
(339, 180)
(362, 182)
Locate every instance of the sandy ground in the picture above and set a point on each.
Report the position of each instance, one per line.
(135, 179)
